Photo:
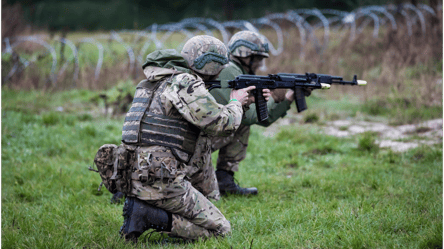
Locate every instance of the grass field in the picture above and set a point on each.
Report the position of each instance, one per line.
(315, 191)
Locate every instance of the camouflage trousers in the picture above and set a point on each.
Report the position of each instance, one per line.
(232, 149)
(194, 215)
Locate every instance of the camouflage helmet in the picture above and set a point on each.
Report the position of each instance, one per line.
(246, 43)
(205, 54)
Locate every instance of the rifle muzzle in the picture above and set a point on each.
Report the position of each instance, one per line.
(362, 82)
(325, 86)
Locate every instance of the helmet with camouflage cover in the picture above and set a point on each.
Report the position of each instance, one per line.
(205, 54)
(246, 43)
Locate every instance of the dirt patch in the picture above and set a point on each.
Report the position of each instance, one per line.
(428, 129)
(398, 138)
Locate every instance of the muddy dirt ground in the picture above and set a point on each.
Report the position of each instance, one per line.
(397, 138)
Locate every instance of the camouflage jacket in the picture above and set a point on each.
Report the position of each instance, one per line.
(222, 96)
(185, 96)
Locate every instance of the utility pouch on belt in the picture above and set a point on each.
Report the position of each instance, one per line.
(114, 165)
(152, 165)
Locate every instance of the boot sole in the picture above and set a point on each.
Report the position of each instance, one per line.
(236, 192)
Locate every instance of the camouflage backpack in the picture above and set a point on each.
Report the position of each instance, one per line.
(114, 165)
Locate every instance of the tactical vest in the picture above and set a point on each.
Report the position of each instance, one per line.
(146, 123)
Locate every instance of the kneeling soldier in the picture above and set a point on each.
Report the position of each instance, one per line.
(170, 125)
(248, 50)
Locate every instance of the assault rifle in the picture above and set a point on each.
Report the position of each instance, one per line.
(297, 82)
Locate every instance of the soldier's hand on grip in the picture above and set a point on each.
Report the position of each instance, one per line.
(242, 95)
(265, 92)
(290, 95)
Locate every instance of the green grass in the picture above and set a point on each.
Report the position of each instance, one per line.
(315, 191)
(401, 110)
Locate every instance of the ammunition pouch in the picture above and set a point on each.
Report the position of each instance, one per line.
(153, 165)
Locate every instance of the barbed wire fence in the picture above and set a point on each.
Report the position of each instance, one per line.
(306, 21)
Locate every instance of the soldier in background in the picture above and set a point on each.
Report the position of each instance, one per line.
(248, 51)
(170, 125)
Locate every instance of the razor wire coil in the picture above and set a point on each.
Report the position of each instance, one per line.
(157, 35)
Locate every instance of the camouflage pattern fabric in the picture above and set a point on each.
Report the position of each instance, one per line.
(114, 166)
(104, 160)
(160, 175)
(246, 43)
(194, 216)
(189, 96)
(200, 170)
(168, 178)
(196, 48)
(232, 149)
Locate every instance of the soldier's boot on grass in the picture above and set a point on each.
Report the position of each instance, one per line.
(140, 216)
(227, 185)
(117, 198)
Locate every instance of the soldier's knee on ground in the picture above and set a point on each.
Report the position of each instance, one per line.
(225, 229)
(183, 228)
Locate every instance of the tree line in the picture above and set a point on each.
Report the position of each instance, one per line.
(138, 14)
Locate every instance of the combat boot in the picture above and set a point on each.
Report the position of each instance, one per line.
(227, 185)
(140, 216)
(117, 198)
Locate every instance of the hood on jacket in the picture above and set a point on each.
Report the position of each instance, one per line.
(161, 63)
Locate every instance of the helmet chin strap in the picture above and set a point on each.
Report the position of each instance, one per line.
(205, 77)
(249, 66)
